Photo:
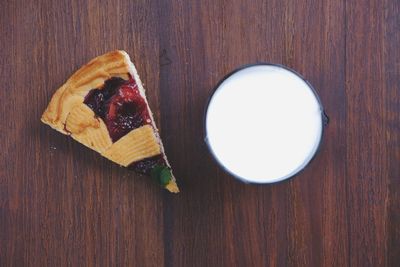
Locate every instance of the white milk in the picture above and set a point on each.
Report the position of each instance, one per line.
(263, 124)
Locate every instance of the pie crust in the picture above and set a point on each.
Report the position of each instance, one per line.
(68, 114)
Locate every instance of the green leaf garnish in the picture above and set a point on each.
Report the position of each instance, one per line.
(161, 174)
(165, 176)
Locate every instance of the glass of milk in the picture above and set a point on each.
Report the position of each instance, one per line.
(264, 123)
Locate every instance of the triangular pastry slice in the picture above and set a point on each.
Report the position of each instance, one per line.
(103, 106)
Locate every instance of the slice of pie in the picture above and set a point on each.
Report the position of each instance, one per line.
(103, 106)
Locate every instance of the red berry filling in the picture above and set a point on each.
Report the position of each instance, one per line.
(127, 110)
(123, 109)
(120, 105)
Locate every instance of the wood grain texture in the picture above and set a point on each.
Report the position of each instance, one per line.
(63, 205)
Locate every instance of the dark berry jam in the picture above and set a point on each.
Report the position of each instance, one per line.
(145, 166)
(120, 105)
(98, 99)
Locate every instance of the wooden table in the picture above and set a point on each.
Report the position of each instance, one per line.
(63, 205)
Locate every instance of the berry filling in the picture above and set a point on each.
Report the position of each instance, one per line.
(123, 109)
(120, 105)
(145, 166)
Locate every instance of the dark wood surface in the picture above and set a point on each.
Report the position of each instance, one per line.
(63, 205)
